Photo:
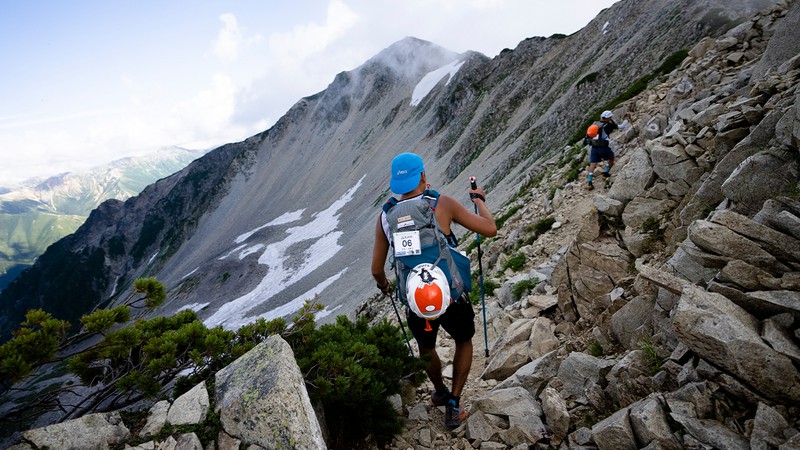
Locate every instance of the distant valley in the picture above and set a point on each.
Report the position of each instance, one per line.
(42, 211)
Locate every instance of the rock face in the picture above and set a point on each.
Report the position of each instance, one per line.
(262, 400)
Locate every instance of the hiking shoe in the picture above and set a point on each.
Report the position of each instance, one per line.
(589, 187)
(440, 399)
(606, 174)
(454, 415)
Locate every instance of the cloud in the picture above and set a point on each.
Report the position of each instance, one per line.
(229, 39)
(304, 41)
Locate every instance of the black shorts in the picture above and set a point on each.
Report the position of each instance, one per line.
(598, 154)
(458, 321)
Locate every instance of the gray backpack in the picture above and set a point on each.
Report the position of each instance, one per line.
(415, 237)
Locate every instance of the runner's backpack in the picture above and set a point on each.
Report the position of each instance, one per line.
(416, 239)
(596, 135)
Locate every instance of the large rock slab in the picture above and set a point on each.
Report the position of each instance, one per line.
(191, 407)
(760, 177)
(156, 419)
(721, 240)
(262, 399)
(515, 401)
(92, 431)
(634, 178)
(535, 374)
(773, 241)
(723, 333)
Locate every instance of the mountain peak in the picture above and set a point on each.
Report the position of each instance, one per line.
(412, 57)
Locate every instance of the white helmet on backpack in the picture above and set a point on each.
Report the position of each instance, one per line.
(427, 291)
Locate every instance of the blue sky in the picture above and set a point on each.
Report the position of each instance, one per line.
(86, 82)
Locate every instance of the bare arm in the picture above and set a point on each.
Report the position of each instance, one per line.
(379, 252)
(481, 223)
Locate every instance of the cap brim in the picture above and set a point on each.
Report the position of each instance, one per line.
(405, 186)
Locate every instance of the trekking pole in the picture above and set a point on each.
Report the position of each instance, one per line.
(474, 185)
(399, 320)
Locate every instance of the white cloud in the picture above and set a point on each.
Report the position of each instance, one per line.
(229, 39)
(294, 47)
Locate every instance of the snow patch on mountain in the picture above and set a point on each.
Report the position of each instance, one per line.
(322, 239)
(429, 81)
(284, 218)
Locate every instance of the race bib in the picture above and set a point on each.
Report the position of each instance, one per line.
(406, 243)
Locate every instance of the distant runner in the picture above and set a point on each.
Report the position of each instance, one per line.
(598, 137)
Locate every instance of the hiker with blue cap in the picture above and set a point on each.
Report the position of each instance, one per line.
(433, 279)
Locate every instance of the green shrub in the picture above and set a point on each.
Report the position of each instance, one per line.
(595, 349)
(502, 219)
(544, 225)
(515, 262)
(654, 360)
(489, 287)
(351, 370)
(521, 288)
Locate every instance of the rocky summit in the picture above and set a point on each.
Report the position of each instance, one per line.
(660, 310)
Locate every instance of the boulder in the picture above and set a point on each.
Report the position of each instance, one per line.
(710, 192)
(773, 241)
(92, 431)
(768, 428)
(748, 276)
(650, 425)
(580, 371)
(716, 329)
(262, 399)
(191, 407)
(633, 178)
(555, 413)
(607, 205)
(640, 209)
(779, 339)
(478, 428)
(535, 374)
(673, 164)
(633, 320)
(515, 401)
(156, 419)
(615, 432)
(713, 433)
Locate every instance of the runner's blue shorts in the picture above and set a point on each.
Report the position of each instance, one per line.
(600, 154)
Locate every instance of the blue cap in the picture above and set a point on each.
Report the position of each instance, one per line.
(406, 170)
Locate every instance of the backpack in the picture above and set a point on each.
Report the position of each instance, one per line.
(415, 237)
(596, 135)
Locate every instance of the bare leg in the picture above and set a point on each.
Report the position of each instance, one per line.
(462, 361)
(434, 367)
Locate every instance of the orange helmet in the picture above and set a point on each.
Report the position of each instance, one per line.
(428, 291)
(592, 130)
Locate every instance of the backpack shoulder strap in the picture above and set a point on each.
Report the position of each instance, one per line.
(390, 203)
(432, 197)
